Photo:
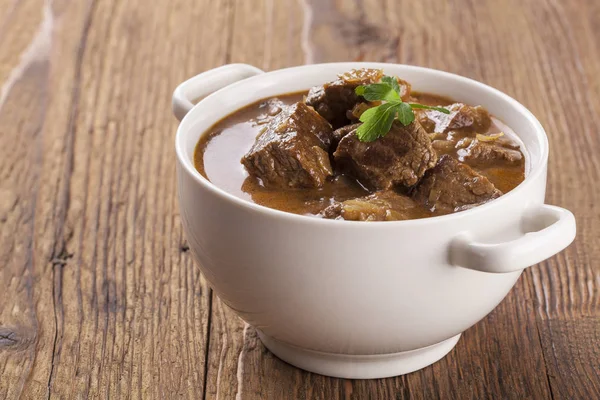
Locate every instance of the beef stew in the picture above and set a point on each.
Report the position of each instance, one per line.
(301, 153)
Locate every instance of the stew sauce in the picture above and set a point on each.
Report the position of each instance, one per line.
(218, 154)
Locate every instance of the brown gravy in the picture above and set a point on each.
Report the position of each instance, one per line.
(217, 157)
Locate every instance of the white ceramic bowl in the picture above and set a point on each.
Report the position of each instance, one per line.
(358, 299)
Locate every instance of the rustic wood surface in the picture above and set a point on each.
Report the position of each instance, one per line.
(99, 297)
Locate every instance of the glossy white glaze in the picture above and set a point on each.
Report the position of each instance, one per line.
(357, 288)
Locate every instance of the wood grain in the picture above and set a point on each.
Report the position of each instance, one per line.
(99, 296)
(103, 299)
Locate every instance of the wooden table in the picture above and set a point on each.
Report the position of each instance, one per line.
(99, 296)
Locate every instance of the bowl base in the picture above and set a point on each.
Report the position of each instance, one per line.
(359, 366)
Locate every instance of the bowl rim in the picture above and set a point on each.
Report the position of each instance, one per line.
(187, 164)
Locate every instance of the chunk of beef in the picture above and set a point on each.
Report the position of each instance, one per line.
(443, 146)
(292, 149)
(483, 154)
(386, 205)
(359, 108)
(427, 123)
(462, 116)
(339, 133)
(353, 115)
(400, 157)
(453, 186)
(335, 100)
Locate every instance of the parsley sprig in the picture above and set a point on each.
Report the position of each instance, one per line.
(377, 121)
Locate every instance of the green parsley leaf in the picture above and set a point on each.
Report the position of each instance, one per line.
(440, 109)
(380, 91)
(377, 121)
(405, 114)
(392, 82)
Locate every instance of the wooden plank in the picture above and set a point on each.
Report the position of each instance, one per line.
(33, 164)
(572, 356)
(101, 297)
(266, 33)
(567, 286)
(19, 23)
(133, 314)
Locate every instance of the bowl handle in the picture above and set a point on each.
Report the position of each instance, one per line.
(546, 231)
(206, 83)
